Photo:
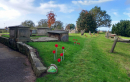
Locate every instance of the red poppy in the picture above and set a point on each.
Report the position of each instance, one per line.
(73, 39)
(59, 60)
(61, 54)
(63, 47)
(76, 39)
(74, 42)
(79, 43)
(54, 51)
(56, 45)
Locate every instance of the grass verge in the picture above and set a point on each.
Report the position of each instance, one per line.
(89, 62)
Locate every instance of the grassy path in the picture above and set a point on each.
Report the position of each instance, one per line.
(92, 63)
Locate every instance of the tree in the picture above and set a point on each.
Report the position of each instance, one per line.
(67, 27)
(51, 18)
(57, 25)
(28, 23)
(101, 18)
(43, 23)
(70, 26)
(86, 21)
(122, 28)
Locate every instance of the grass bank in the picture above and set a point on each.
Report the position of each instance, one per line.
(89, 62)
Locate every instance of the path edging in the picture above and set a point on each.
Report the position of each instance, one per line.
(27, 50)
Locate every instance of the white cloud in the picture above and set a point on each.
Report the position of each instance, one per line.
(10, 14)
(89, 2)
(106, 28)
(115, 13)
(11, 10)
(26, 6)
(114, 22)
(127, 14)
(50, 5)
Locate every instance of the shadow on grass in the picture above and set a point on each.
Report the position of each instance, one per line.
(121, 54)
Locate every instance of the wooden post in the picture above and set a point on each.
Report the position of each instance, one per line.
(114, 44)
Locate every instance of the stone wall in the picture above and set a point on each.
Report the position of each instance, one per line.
(27, 50)
(43, 31)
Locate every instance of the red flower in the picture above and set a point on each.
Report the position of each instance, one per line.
(73, 39)
(63, 47)
(54, 51)
(61, 54)
(76, 39)
(56, 45)
(79, 43)
(59, 60)
(74, 42)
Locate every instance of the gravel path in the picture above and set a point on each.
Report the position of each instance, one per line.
(14, 66)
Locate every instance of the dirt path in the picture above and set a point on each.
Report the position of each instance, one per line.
(14, 66)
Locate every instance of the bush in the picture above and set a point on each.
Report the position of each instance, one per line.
(122, 28)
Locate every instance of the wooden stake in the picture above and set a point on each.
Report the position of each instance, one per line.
(114, 44)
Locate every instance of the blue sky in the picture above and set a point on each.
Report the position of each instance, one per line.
(13, 12)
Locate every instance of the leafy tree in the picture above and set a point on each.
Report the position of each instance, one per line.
(28, 23)
(67, 27)
(100, 16)
(122, 28)
(51, 18)
(70, 26)
(113, 29)
(43, 23)
(57, 25)
(86, 21)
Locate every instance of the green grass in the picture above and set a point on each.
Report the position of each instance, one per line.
(7, 36)
(35, 37)
(32, 37)
(4, 33)
(89, 62)
(124, 37)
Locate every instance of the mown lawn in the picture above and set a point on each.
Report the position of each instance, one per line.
(91, 61)
(7, 36)
(4, 33)
(32, 37)
(124, 37)
(35, 37)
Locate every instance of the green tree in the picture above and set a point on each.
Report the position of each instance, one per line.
(57, 25)
(70, 26)
(100, 16)
(28, 23)
(122, 28)
(86, 21)
(43, 23)
(113, 29)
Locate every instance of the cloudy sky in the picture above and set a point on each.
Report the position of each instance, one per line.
(13, 12)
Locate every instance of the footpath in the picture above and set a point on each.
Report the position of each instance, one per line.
(14, 66)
